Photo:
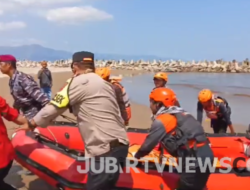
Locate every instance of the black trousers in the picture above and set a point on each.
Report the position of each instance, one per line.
(197, 180)
(106, 180)
(193, 181)
(3, 173)
(219, 125)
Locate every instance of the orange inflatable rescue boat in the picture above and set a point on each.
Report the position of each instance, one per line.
(53, 154)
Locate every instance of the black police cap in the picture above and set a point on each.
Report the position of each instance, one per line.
(83, 56)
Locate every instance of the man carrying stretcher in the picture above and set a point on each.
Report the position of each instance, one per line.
(180, 134)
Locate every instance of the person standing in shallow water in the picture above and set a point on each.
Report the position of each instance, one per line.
(161, 80)
(45, 78)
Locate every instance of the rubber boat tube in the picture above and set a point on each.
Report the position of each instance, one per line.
(57, 164)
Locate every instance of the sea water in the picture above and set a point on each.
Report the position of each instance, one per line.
(234, 87)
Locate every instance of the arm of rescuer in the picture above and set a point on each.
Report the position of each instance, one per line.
(156, 134)
(10, 113)
(226, 115)
(50, 112)
(199, 111)
(121, 103)
(31, 87)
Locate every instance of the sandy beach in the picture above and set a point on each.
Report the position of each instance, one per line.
(140, 119)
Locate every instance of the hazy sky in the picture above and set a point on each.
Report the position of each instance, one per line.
(189, 29)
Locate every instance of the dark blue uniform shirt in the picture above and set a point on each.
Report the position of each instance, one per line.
(28, 97)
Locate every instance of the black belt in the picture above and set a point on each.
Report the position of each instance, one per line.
(115, 144)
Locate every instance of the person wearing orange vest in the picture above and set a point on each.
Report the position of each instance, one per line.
(181, 135)
(6, 149)
(161, 80)
(217, 109)
(121, 95)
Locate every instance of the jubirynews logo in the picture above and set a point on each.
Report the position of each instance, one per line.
(110, 165)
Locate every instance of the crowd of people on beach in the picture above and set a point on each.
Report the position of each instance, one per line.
(101, 103)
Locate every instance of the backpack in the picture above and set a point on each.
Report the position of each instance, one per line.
(224, 100)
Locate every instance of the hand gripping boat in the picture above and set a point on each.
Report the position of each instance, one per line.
(53, 154)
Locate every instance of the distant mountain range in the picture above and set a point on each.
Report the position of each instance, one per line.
(38, 53)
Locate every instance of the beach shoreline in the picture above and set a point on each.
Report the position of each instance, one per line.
(60, 76)
(140, 119)
(67, 71)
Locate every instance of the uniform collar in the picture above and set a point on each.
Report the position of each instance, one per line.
(169, 110)
(13, 78)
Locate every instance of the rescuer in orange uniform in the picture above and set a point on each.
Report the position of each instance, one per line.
(181, 135)
(121, 95)
(6, 149)
(217, 109)
(161, 80)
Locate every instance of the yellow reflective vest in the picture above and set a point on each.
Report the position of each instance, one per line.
(61, 99)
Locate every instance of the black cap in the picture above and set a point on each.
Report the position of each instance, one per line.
(83, 56)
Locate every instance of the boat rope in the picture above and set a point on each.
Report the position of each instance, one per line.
(52, 135)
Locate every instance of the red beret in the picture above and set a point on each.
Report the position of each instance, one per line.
(6, 58)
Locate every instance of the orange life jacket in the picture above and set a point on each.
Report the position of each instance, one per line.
(213, 112)
(182, 131)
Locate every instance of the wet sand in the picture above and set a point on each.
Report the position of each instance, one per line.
(140, 119)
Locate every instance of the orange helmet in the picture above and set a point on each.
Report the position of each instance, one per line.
(164, 95)
(161, 75)
(103, 72)
(205, 95)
